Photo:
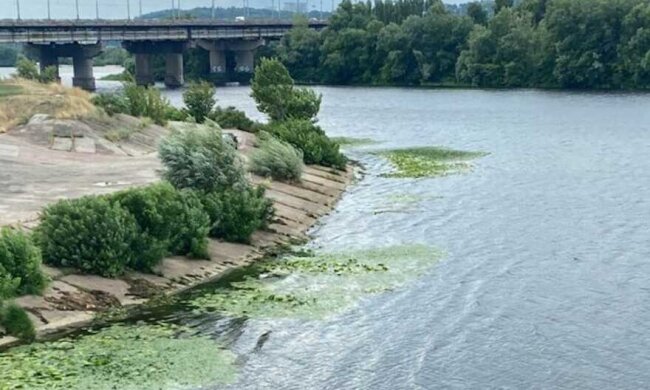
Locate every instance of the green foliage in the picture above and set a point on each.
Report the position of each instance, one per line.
(137, 101)
(311, 140)
(112, 103)
(231, 118)
(586, 44)
(199, 100)
(49, 75)
(271, 87)
(16, 321)
(236, 213)
(89, 234)
(276, 159)
(168, 221)
(20, 262)
(112, 56)
(197, 157)
(146, 102)
(26, 68)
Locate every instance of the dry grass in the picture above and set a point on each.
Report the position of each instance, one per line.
(30, 98)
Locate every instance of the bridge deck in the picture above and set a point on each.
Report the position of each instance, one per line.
(91, 31)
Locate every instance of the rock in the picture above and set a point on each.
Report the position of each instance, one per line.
(38, 119)
(62, 144)
(85, 145)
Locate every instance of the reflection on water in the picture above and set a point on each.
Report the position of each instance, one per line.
(545, 281)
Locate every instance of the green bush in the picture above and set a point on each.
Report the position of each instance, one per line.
(20, 265)
(112, 103)
(231, 118)
(148, 102)
(26, 68)
(276, 159)
(236, 213)
(174, 114)
(199, 100)
(89, 234)
(169, 221)
(311, 140)
(49, 75)
(197, 157)
(17, 323)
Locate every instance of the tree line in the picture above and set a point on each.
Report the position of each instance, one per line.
(582, 44)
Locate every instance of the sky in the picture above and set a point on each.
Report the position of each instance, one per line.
(117, 9)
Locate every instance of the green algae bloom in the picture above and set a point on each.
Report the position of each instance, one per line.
(318, 285)
(428, 161)
(121, 357)
(351, 141)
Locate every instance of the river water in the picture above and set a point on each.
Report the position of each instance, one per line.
(545, 282)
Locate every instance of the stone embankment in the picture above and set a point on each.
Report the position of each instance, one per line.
(36, 175)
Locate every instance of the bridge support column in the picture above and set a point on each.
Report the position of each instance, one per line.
(144, 69)
(83, 72)
(218, 61)
(47, 59)
(244, 58)
(174, 70)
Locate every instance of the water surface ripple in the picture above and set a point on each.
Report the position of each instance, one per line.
(547, 275)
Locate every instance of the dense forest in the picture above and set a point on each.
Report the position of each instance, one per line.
(590, 44)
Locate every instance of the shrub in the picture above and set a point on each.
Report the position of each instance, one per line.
(20, 265)
(197, 157)
(149, 102)
(88, 233)
(49, 75)
(231, 118)
(112, 103)
(169, 221)
(276, 159)
(236, 213)
(199, 100)
(17, 323)
(311, 140)
(174, 114)
(26, 68)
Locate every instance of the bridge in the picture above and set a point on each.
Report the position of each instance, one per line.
(84, 39)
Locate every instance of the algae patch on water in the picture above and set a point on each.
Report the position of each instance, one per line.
(403, 203)
(122, 357)
(351, 141)
(316, 285)
(428, 161)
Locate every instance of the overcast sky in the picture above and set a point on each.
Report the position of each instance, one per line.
(115, 9)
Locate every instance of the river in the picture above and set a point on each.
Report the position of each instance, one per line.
(545, 281)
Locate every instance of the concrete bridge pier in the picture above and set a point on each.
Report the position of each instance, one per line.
(245, 54)
(82, 59)
(48, 58)
(144, 51)
(144, 69)
(174, 77)
(217, 51)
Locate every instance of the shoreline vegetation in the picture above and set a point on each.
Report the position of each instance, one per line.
(205, 195)
(424, 43)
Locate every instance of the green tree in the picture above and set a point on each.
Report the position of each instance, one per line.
(199, 100)
(477, 13)
(500, 5)
(300, 51)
